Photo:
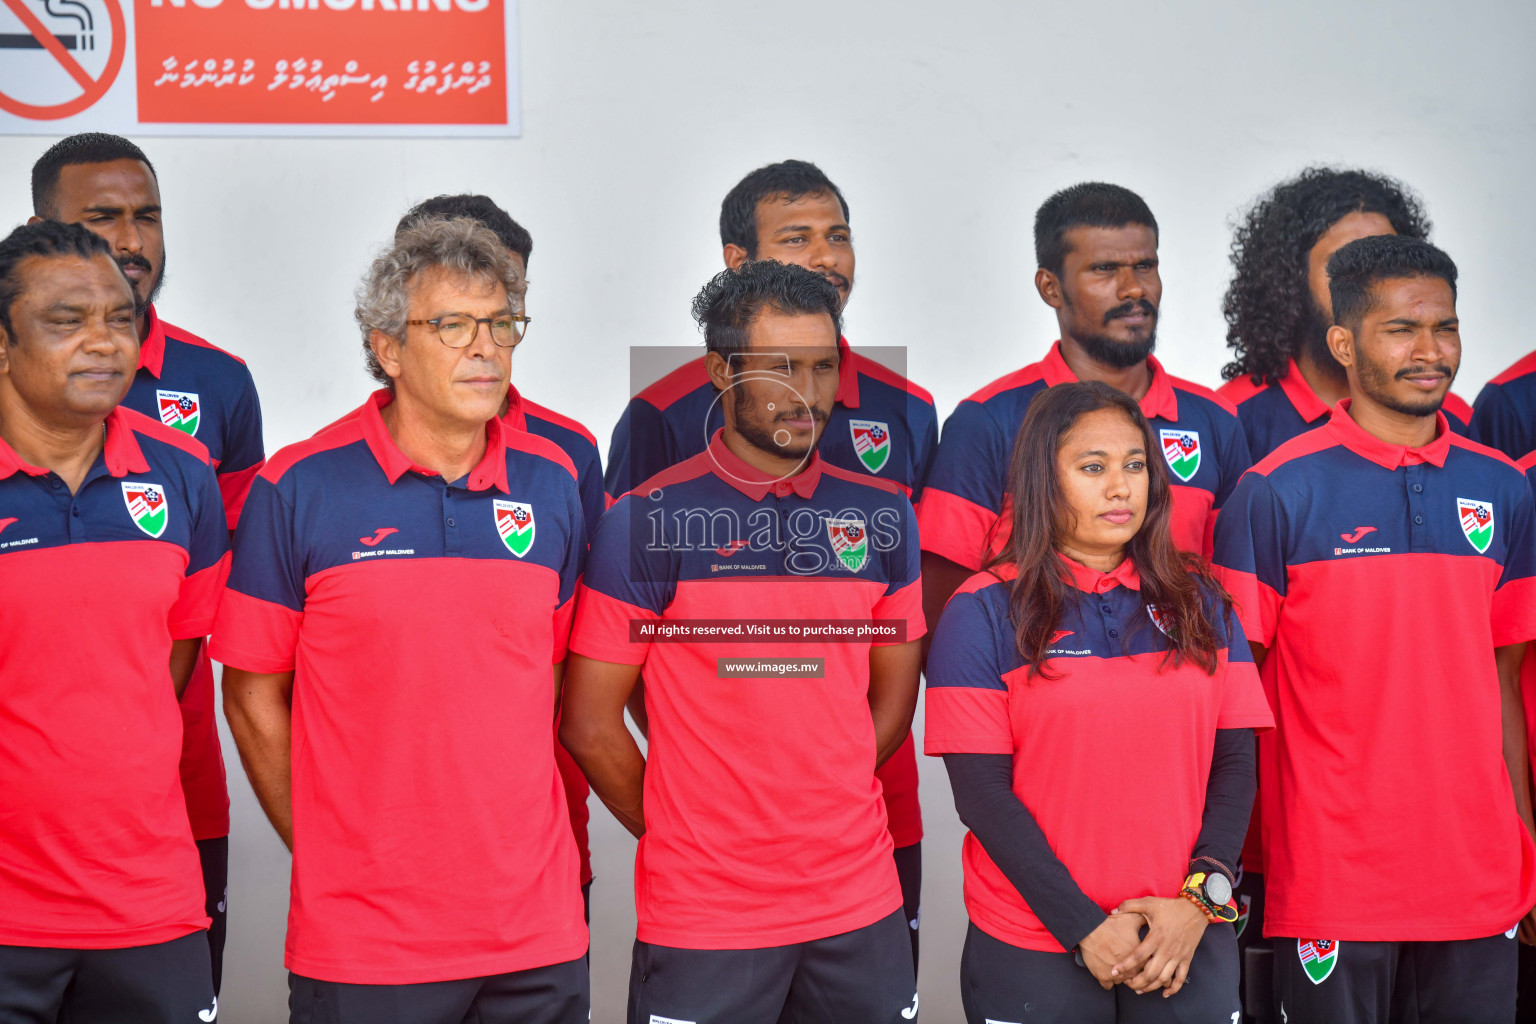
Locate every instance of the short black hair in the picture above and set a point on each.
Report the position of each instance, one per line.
(1092, 204)
(476, 207)
(733, 300)
(1357, 268)
(46, 238)
(1268, 306)
(792, 179)
(85, 148)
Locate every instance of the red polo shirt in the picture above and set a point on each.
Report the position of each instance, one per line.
(1113, 712)
(95, 849)
(1381, 578)
(764, 819)
(420, 619)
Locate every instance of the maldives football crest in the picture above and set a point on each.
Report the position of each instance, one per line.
(147, 507)
(514, 522)
(1318, 957)
(871, 442)
(1182, 450)
(179, 409)
(850, 542)
(1159, 619)
(1476, 522)
(1244, 905)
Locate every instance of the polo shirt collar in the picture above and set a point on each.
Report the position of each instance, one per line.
(516, 417)
(1305, 401)
(1091, 581)
(847, 376)
(1159, 401)
(152, 347)
(753, 482)
(120, 452)
(490, 472)
(1385, 454)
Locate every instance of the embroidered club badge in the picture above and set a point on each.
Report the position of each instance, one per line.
(849, 542)
(180, 410)
(1476, 522)
(1182, 450)
(147, 507)
(871, 442)
(514, 524)
(1159, 620)
(1318, 957)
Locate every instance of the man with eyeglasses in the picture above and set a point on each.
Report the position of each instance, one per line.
(575, 440)
(106, 184)
(394, 630)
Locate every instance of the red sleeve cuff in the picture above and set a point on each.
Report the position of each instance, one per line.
(907, 604)
(601, 631)
(1257, 603)
(197, 606)
(1514, 613)
(255, 635)
(954, 528)
(1243, 704)
(966, 720)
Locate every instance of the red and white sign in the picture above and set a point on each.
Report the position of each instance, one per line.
(259, 67)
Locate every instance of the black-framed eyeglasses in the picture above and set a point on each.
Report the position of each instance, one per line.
(458, 330)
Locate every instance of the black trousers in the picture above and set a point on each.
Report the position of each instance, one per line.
(860, 977)
(214, 854)
(166, 983)
(1466, 982)
(1249, 893)
(1003, 984)
(909, 870)
(557, 994)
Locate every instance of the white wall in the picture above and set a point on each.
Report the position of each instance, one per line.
(945, 125)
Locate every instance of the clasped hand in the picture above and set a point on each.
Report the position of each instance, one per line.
(1116, 953)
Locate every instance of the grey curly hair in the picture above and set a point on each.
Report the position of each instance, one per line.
(459, 246)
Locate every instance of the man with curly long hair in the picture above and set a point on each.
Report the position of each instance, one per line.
(1283, 379)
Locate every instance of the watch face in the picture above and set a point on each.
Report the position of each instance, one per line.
(1217, 889)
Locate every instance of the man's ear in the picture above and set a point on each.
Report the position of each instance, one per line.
(386, 350)
(735, 256)
(1049, 287)
(5, 350)
(719, 369)
(1341, 342)
(35, 219)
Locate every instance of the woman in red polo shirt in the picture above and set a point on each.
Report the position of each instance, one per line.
(1094, 699)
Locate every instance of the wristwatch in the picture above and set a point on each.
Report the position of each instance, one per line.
(1212, 893)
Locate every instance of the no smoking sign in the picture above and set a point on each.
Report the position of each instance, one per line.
(386, 68)
(60, 56)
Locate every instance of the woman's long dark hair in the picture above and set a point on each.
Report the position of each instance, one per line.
(1171, 581)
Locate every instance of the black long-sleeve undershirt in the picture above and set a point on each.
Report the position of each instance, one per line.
(984, 798)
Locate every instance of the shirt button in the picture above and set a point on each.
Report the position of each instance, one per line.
(1418, 488)
(1106, 609)
(1114, 634)
(1418, 520)
(451, 522)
